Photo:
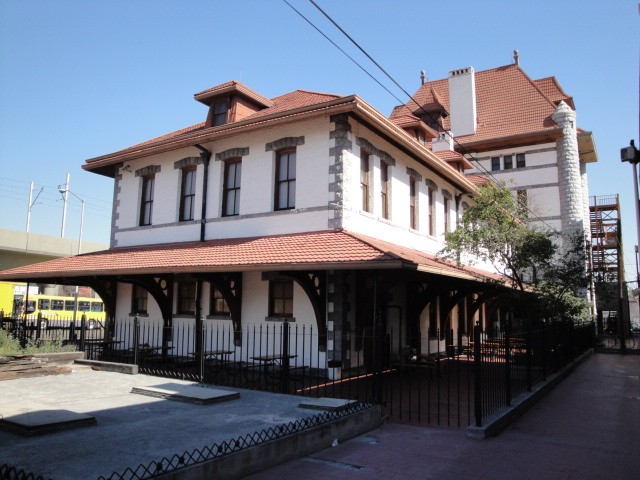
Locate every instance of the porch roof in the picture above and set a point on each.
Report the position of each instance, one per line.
(302, 251)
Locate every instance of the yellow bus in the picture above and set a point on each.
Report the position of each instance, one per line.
(56, 308)
(6, 298)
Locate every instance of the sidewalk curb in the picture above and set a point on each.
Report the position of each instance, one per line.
(504, 417)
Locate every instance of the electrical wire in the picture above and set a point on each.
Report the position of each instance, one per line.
(345, 53)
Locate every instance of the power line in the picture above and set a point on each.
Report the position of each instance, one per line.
(345, 53)
(464, 150)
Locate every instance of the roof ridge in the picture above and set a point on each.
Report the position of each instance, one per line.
(313, 92)
(537, 87)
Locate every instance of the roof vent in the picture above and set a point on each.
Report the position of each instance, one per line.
(516, 57)
(423, 76)
(460, 71)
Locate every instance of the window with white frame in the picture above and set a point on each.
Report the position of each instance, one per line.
(285, 183)
(384, 189)
(187, 193)
(231, 187)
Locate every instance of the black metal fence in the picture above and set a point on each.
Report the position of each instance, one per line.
(613, 342)
(35, 329)
(217, 450)
(448, 378)
(11, 473)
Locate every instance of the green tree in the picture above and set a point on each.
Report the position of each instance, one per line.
(494, 231)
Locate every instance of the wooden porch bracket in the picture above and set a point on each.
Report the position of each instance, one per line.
(230, 287)
(314, 285)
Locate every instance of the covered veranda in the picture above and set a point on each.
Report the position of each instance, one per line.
(376, 308)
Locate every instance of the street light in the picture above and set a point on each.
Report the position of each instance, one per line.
(64, 189)
(630, 154)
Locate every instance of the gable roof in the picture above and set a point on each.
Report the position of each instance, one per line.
(232, 86)
(552, 89)
(288, 108)
(509, 104)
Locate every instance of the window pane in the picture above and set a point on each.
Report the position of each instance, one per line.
(520, 160)
(292, 165)
(292, 194)
(69, 305)
(231, 175)
(508, 162)
(282, 195)
(220, 107)
(57, 304)
(282, 167)
(96, 306)
(238, 172)
(230, 199)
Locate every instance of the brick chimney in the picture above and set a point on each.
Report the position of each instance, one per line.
(462, 100)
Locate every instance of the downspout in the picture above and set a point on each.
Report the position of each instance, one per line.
(458, 198)
(206, 157)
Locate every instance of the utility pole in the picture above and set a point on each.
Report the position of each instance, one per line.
(64, 208)
(29, 207)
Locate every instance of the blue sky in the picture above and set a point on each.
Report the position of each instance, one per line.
(79, 78)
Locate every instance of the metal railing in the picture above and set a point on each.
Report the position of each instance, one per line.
(218, 450)
(450, 378)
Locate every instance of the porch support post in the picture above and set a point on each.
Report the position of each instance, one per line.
(477, 374)
(199, 331)
(338, 306)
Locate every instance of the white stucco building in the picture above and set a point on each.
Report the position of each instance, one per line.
(316, 209)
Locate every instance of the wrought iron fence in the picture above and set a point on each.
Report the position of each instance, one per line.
(35, 329)
(614, 342)
(12, 473)
(218, 450)
(446, 378)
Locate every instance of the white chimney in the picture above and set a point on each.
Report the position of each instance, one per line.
(462, 100)
(444, 142)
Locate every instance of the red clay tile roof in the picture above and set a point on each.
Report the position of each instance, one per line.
(509, 103)
(552, 89)
(232, 86)
(404, 119)
(448, 155)
(325, 249)
(168, 136)
(281, 104)
(477, 179)
(293, 100)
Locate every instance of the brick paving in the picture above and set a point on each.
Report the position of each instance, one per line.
(588, 427)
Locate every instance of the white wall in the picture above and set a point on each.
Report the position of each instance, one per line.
(257, 216)
(539, 177)
(397, 228)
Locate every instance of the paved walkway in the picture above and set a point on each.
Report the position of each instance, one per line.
(588, 427)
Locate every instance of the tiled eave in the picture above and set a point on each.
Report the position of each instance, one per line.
(325, 250)
(99, 164)
(106, 165)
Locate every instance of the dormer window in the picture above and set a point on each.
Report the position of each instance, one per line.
(420, 136)
(220, 111)
(433, 119)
